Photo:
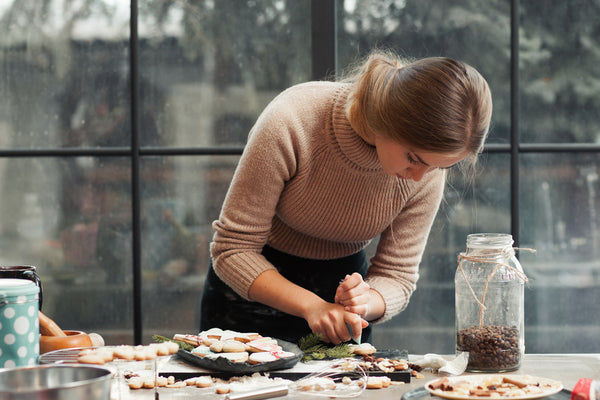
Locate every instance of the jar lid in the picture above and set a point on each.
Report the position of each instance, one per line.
(17, 287)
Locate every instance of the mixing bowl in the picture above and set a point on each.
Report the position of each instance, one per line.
(55, 382)
(73, 339)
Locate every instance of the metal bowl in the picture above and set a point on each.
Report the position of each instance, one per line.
(55, 382)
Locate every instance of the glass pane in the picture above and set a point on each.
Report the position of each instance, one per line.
(64, 75)
(71, 218)
(178, 210)
(559, 74)
(209, 68)
(560, 209)
(469, 30)
(474, 202)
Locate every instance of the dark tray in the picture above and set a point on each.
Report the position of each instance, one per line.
(221, 364)
(225, 369)
(399, 376)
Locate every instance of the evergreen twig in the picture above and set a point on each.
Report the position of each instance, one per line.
(315, 349)
(182, 345)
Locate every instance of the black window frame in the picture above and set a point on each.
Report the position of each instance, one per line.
(324, 14)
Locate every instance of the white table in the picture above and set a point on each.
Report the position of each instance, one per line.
(567, 368)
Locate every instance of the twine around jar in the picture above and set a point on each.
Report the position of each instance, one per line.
(483, 256)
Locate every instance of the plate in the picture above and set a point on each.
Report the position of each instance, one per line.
(546, 387)
(422, 394)
(222, 364)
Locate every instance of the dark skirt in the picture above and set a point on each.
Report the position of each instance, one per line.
(223, 308)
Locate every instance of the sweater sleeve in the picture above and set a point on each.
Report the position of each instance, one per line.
(394, 268)
(243, 227)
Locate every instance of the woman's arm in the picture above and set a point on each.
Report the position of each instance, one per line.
(394, 269)
(328, 319)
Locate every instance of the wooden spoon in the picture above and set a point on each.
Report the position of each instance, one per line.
(49, 327)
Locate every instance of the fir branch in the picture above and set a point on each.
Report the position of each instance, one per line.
(310, 340)
(314, 349)
(182, 345)
(339, 351)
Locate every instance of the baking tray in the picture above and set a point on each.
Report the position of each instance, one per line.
(399, 376)
(239, 369)
(221, 364)
(422, 394)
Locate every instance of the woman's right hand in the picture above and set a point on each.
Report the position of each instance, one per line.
(329, 320)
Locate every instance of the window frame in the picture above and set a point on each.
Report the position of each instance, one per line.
(324, 14)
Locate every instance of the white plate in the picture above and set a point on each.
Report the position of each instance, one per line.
(548, 387)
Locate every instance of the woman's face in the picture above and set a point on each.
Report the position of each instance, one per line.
(404, 162)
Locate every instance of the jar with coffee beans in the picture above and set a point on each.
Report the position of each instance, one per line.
(489, 294)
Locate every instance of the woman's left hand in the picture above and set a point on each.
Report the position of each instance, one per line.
(354, 294)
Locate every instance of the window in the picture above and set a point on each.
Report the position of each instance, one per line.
(120, 132)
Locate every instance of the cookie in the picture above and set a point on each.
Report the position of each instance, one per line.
(363, 349)
(261, 357)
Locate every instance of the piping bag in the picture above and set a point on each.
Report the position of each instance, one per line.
(442, 366)
(358, 339)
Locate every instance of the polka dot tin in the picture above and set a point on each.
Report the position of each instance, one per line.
(19, 323)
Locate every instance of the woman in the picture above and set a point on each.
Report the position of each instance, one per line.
(328, 167)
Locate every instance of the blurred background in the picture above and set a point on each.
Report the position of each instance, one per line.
(121, 124)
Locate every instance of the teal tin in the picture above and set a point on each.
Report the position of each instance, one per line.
(19, 323)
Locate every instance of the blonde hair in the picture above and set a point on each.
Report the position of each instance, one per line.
(433, 104)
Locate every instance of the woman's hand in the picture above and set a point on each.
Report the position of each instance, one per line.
(357, 297)
(332, 322)
(354, 294)
(328, 319)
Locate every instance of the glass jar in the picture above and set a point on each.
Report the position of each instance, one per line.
(489, 294)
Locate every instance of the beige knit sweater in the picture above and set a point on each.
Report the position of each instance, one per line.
(309, 186)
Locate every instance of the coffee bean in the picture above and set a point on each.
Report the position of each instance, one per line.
(490, 347)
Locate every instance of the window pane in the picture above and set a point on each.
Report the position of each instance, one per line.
(178, 213)
(472, 31)
(206, 70)
(71, 218)
(64, 75)
(559, 74)
(473, 202)
(560, 208)
(210, 68)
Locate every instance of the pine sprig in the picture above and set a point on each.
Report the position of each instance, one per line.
(310, 340)
(182, 345)
(315, 349)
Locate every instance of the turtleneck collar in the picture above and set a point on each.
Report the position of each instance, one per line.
(350, 146)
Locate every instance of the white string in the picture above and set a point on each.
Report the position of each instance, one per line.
(485, 256)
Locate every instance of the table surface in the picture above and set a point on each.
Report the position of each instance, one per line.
(567, 368)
